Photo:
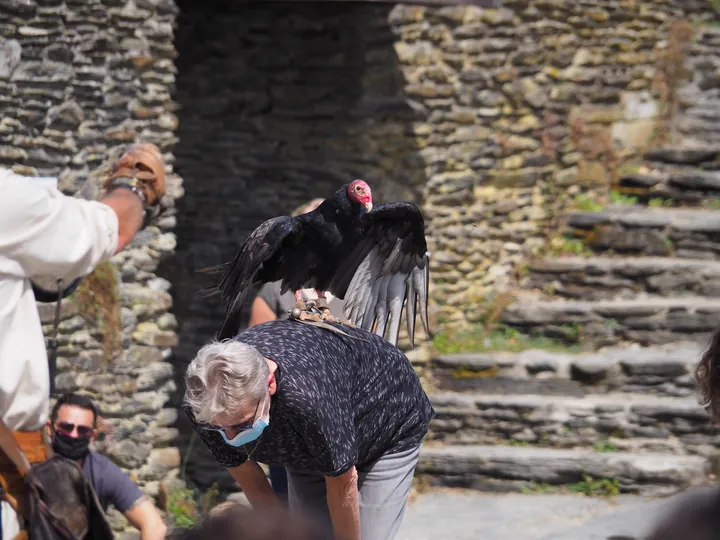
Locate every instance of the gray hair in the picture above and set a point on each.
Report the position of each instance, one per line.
(224, 375)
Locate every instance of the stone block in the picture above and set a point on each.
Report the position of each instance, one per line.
(592, 369)
(642, 471)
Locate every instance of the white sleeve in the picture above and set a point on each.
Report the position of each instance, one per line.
(46, 233)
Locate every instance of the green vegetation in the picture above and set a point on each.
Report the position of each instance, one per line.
(182, 508)
(538, 487)
(186, 509)
(611, 323)
(657, 202)
(629, 168)
(669, 244)
(572, 332)
(619, 198)
(585, 203)
(515, 442)
(565, 245)
(503, 338)
(605, 447)
(596, 487)
(589, 486)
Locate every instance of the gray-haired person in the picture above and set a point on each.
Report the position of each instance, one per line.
(344, 414)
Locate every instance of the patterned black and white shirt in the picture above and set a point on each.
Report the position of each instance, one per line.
(339, 402)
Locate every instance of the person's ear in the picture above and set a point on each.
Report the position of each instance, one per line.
(272, 384)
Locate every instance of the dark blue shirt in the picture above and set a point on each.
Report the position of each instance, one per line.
(111, 484)
(340, 401)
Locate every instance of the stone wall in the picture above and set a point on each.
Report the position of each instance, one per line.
(482, 116)
(485, 117)
(280, 103)
(528, 106)
(489, 117)
(79, 80)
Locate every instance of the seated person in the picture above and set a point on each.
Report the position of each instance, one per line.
(71, 428)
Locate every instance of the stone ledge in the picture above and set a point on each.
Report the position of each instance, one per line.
(680, 219)
(530, 309)
(686, 187)
(629, 266)
(507, 468)
(603, 278)
(682, 155)
(630, 421)
(646, 320)
(664, 370)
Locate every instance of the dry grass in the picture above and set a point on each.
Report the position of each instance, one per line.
(98, 299)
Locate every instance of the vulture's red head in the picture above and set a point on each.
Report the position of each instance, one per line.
(360, 192)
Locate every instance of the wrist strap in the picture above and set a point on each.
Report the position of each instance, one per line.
(130, 184)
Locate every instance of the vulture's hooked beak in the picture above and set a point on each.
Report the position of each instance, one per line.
(368, 206)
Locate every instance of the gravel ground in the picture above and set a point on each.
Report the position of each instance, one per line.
(457, 515)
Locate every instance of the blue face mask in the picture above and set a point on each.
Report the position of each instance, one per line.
(248, 435)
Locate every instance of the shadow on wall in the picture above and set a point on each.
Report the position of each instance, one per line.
(279, 104)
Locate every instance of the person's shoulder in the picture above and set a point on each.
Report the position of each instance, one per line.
(271, 287)
(104, 463)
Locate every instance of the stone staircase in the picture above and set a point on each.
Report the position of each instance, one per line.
(653, 276)
(622, 416)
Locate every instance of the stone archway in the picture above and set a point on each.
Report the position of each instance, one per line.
(278, 103)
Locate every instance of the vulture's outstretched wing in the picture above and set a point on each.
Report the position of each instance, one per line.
(242, 274)
(389, 265)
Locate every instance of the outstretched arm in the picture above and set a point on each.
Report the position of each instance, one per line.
(129, 211)
(44, 232)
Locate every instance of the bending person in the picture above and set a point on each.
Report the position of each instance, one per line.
(344, 414)
(271, 305)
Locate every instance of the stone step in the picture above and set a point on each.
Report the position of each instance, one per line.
(675, 181)
(609, 422)
(508, 468)
(602, 278)
(662, 370)
(683, 232)
(684, 155)
(645, 319)
(679, 187)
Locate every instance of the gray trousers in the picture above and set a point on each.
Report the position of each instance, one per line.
(383, 488)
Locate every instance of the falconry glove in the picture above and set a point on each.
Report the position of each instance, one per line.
(141, 170)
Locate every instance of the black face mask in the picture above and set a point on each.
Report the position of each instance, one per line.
(70, 447)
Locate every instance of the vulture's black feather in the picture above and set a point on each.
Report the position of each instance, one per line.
(375, 261)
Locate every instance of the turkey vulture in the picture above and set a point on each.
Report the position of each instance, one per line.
(374, 258)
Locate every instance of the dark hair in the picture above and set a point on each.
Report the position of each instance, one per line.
(707, 375)
(241, 523)
(693, 516)
(76, 400)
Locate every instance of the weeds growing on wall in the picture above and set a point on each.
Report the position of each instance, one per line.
(98, 299)
(671, 73)
(595, 144)
(183, 509)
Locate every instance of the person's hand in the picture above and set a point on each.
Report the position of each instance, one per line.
(143, 166)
